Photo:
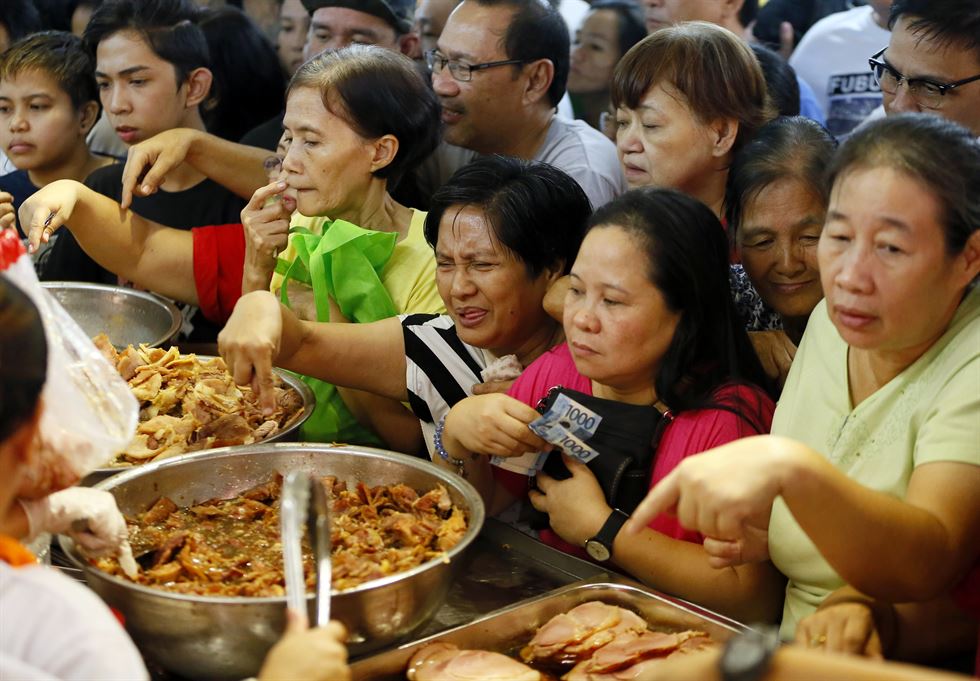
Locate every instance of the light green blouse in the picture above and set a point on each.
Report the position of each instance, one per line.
(930, 412)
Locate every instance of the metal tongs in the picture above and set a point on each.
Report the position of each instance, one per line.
(305, 508)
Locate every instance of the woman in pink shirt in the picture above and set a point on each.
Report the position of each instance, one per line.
(648, 320)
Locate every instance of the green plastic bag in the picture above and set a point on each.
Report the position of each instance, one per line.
(344, 263)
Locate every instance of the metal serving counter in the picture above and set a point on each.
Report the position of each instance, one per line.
(502, 567)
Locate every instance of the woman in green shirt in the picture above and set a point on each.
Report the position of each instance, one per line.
(872, 473)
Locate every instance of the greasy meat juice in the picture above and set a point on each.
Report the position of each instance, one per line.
(232, 547)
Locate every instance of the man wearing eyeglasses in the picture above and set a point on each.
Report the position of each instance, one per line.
(499, 69)
(932, 62)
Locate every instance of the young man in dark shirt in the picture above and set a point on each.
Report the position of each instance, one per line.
(152, 73)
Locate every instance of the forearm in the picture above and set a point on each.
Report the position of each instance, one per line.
(257, 272)
(794, 663)
(883, 546)
(748, 593)
(151, 255)
(237, 167)
(395, 424)
(368, 357)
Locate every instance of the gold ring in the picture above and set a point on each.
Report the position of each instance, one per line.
(818, 640)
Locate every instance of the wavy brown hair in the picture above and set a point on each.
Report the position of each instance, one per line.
(714, 69)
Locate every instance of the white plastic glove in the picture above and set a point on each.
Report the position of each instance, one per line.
(89, 516)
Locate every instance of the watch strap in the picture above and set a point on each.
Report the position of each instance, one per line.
(607, 533)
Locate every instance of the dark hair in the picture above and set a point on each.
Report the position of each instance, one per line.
(794, 148)
(712, 67)
(167, 26)
(629, 19)
(781, 83)
(23, 358)
(537, 31)
(20, 17)
(249, 85)
(377, 92)
(748, 13)
(534, 209)
(688, 258)
(59, 55)
(944, 22)
(941, 154)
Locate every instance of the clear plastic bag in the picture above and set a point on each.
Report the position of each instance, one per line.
(89, 412)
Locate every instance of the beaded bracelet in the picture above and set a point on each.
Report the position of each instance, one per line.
(441, 450)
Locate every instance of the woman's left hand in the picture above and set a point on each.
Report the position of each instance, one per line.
(576, 506)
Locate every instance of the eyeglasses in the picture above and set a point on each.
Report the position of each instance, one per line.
(926, 92)
(461, 71)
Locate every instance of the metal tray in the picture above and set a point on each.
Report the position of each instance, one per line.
(507, 630)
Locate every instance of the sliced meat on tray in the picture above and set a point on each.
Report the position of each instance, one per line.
(446, 662)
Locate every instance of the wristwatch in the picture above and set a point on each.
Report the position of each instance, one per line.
(747, 655)
(600, 546)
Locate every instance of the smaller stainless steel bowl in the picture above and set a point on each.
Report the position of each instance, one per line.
(287, 434)
(227, 638)
(125, 315)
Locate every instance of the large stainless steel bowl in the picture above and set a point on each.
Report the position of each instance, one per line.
(287, 434)
(125, 315)
(227, 638)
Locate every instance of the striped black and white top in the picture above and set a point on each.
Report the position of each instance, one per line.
(440, 369)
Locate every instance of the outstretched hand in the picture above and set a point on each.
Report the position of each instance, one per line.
(47, 210)
(250, 344)
(148, 162)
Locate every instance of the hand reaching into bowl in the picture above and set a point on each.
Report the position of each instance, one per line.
(48, 209)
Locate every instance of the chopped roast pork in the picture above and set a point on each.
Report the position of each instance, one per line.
(188, 404)
(446, 662)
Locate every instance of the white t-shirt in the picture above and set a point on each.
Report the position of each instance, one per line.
(572, 146)
(52, 627)
(833, 59)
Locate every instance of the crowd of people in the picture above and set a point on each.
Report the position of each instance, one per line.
(744, 233)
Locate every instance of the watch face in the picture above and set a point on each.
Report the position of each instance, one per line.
(744, 654)
(597, 550)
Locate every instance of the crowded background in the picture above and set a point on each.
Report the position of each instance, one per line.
(746, 233)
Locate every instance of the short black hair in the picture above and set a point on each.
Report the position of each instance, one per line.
(748, 13)
(59, 55)
(537, 31)
(249, 86)
(945, 22)
(629, 19)
(537, 211)
(377, 92)
(168, 26)
(20, 17)
(23, 358)
(781, 83)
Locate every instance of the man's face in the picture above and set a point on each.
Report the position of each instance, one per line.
(430, 19)
(138, 89)
(485, 112)
(661, 13)
(333, 28)
(294, 23)
(917, 57)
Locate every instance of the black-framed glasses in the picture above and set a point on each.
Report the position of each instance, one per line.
(926, 92)
(462, 71)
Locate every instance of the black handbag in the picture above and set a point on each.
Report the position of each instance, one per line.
(626, 439)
